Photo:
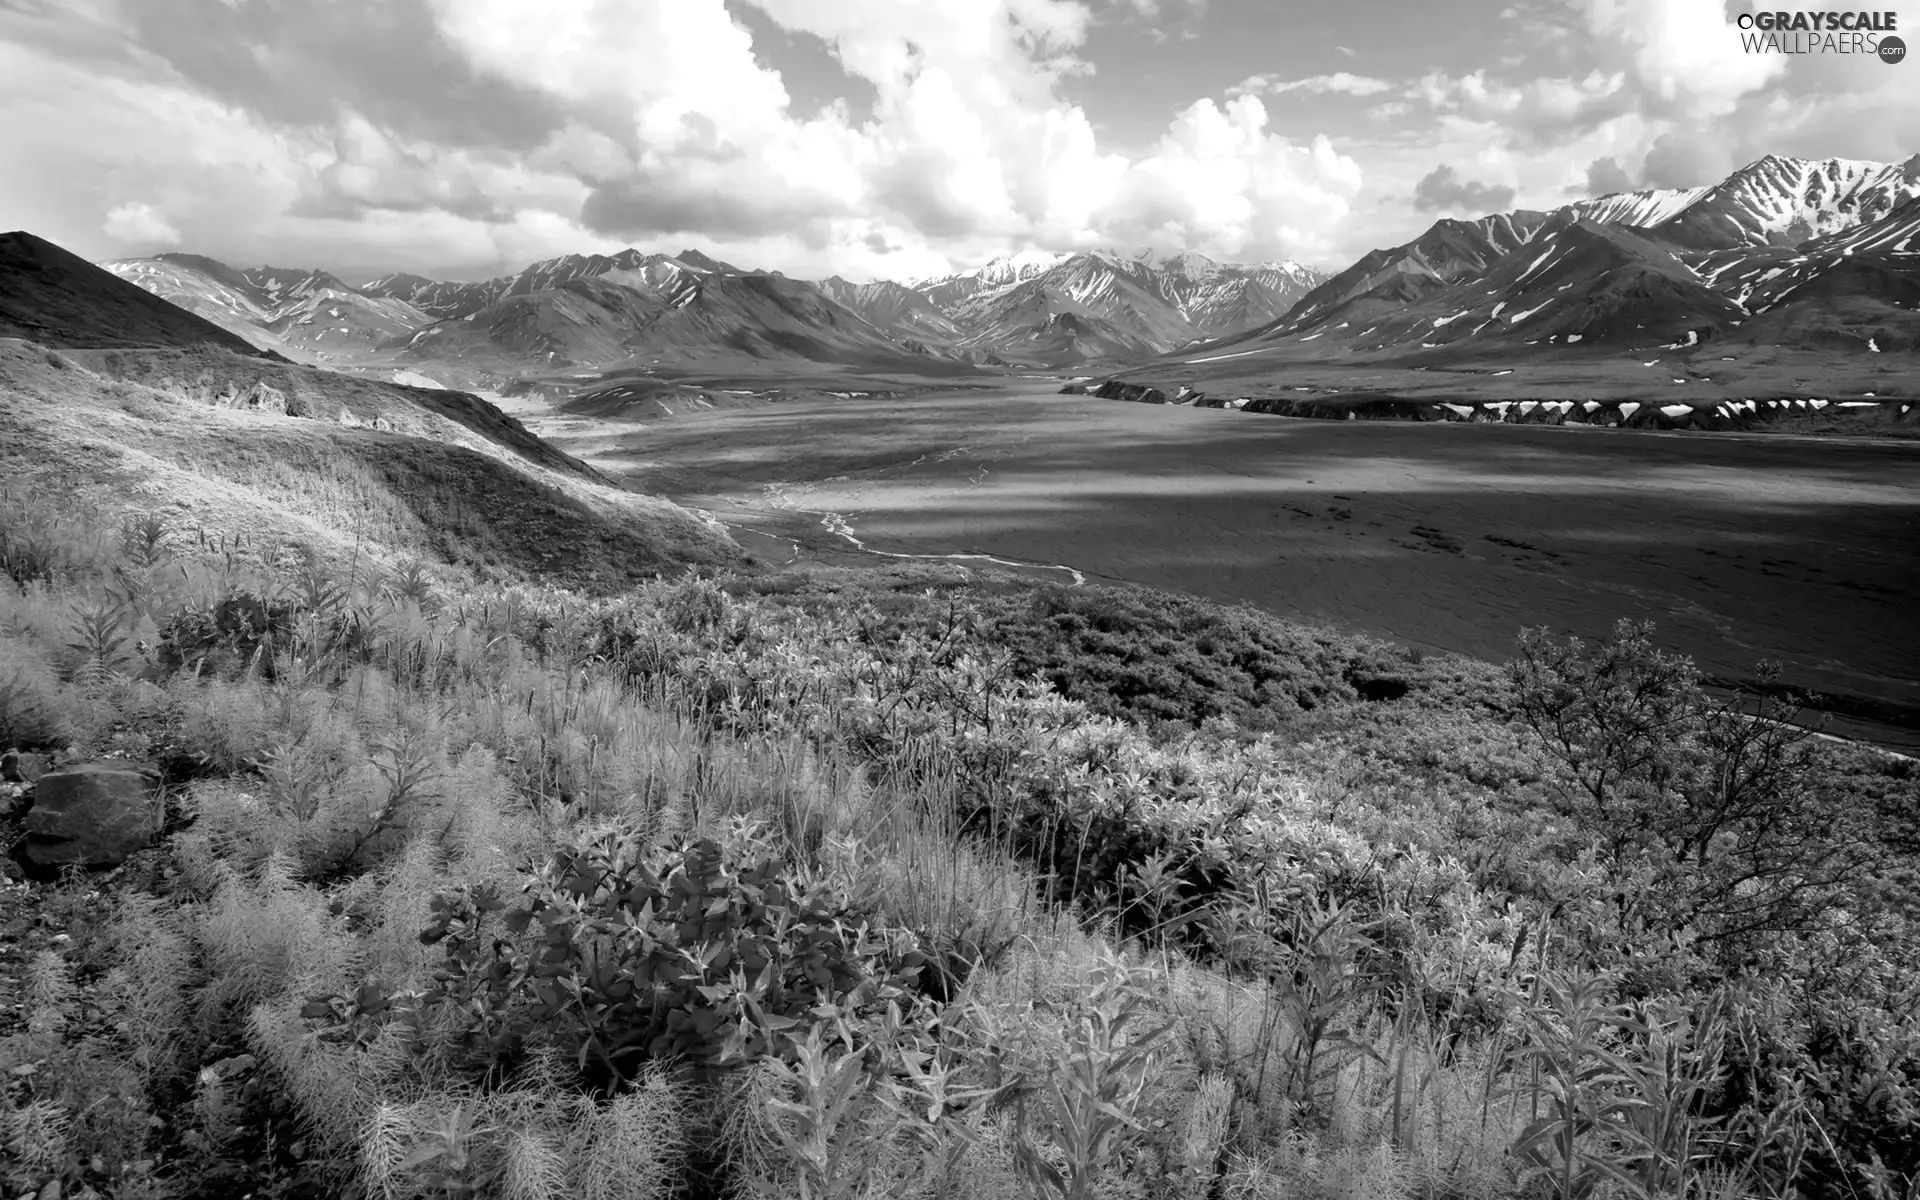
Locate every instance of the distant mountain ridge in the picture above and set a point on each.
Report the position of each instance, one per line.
(1059, 309)
(1628, 267)
(1802, 251)
(275, 308)
(1035, 308)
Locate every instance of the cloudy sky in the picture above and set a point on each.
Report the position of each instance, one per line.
(890, 138)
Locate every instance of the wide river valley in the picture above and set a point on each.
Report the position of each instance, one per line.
(1740, 547)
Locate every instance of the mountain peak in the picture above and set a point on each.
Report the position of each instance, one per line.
(705, 262)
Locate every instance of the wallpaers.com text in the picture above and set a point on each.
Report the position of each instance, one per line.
(1822, 33)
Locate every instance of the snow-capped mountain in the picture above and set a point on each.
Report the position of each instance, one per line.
(276, 308)
(946, 291)
(438, 297)
(1447, 253)
(1896, 233)
(1645, 209)
(1801, 251)
(583, 309)
(1786, 201)
(1045, 309)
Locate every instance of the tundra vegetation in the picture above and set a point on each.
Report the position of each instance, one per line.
(861, 885)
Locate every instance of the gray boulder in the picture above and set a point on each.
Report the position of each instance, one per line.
(94, 814)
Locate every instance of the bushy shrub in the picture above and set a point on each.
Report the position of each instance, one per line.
(1726, 802)
(1147, 655)
(620, 955)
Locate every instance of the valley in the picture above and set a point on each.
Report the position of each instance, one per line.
(1741, 547)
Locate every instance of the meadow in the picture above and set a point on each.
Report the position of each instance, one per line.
(923, 883)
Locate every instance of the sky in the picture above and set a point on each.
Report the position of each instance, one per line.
(877, 138)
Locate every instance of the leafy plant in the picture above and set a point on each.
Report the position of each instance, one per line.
(831, 1091)
(1094, 1085)
(621, 956)
(1575, 1089)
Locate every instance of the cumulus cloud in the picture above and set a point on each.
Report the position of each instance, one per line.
(1625, 94)
(1219, 179)
(1605, 176)
(1442, 188)
(1343, 82)
(468, 136)
(1683, 55)
(474, 130)
(141, 225)
(1533, 113)
(1686, 159)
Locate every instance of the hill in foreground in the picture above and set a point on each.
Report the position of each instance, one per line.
(114, 399)
(258, 452)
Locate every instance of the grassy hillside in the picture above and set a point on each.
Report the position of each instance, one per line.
(818, 886)
(346, 466)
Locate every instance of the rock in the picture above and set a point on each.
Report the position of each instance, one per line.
(263, 398)
(1137, 393)
(19, 766)
(94, 813)
(1074, 389)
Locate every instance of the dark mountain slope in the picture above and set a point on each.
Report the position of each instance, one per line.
(689, 308)
(1448, 253)
(56, 298)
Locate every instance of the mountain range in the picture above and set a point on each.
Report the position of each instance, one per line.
(1032, 309)
(1786, 251)
(1792, 250)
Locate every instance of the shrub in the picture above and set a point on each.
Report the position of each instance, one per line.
(1724, 802)
(620, 957)
(41, 541)
(1146, 655)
